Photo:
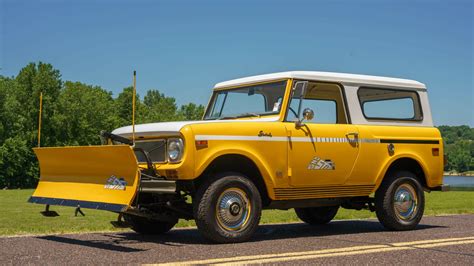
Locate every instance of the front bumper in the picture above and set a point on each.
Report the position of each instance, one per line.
(158, 186)
(443, 188)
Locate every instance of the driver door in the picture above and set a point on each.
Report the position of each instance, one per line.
(324, 148)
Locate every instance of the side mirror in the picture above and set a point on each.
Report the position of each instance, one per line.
(308, 114)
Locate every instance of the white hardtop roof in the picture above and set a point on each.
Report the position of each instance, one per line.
(326, 76)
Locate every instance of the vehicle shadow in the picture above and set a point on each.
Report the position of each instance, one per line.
(127, 241)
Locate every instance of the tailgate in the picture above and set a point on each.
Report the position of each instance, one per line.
(95, 177)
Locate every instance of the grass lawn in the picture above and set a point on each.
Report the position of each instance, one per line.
(19, 217)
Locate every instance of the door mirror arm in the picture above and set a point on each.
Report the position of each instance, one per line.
(300, 87)
(308, 114)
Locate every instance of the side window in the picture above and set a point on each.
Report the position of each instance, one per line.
(277, 104)
(325, 111)
(385, 104)
(325, 99)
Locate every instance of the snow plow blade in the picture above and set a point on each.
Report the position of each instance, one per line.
(95, 177)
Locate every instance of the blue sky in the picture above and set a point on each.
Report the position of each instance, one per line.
(183, 48)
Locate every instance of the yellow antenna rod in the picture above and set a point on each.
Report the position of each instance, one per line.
(133, 105)
(39, 118)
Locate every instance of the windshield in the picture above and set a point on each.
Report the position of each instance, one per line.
(257, 100)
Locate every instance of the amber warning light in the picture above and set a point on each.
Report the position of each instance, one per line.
(201, 144)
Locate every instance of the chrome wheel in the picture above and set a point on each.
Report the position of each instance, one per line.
(405, 202)
(233, 209)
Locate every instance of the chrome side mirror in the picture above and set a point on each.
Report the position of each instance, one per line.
(308, 114)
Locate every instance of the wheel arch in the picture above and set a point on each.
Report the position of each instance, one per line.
(408, 163)
(238, 163)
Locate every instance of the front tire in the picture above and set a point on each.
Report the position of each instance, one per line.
(400, 201)
(228, 210)
(147, 226)
(317, 215)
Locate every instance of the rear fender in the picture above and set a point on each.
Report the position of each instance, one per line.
(389, 163)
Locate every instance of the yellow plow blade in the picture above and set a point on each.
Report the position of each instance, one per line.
(95, 177)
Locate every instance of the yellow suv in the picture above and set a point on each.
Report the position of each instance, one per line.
(312, 141)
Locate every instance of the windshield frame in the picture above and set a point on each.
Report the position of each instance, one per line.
(216, 92)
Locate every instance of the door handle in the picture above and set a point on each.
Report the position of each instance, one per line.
(353, 138)
(354, 134)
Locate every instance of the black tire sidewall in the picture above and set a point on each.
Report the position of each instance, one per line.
(384, 202)
(317, 215)
(205, 208)
(144, 225)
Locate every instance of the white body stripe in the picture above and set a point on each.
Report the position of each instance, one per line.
(244, 138)
(293, 139)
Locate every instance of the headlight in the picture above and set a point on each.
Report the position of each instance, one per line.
(175, 150)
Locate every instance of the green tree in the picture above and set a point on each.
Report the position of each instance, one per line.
(18, 168)
(460, 156)
(19, 121)
(83, 112)
(33, 79)
(159, 108)
(191, 111)
(123, 107)
(12, 123)
(3, 113)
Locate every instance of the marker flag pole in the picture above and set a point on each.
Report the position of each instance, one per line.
(133, 104)
(39, 118)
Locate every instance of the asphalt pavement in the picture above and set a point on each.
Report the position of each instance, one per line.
(437, 240)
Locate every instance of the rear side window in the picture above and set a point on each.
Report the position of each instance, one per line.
(386, 104)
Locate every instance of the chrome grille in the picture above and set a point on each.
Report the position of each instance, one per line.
(156, 150)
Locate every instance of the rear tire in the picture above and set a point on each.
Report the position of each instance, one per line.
(147, 226)
(400, 201)
(317, 215)
(228, 209)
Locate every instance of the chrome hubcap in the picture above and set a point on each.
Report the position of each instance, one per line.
(233, 209)
(405, 202)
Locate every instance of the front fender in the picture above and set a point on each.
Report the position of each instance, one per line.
(263, 167)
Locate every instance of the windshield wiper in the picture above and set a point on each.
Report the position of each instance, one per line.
(226, 117)
(239, 116)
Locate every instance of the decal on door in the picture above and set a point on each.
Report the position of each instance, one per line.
(320, 164)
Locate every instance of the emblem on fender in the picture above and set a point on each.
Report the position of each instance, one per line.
(115, 183)
(320, 164)
(263, 134)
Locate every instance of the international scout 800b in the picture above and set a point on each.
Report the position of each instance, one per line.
(312, 141)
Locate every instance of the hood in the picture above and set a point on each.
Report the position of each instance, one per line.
(163, 128)
(171, 128)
